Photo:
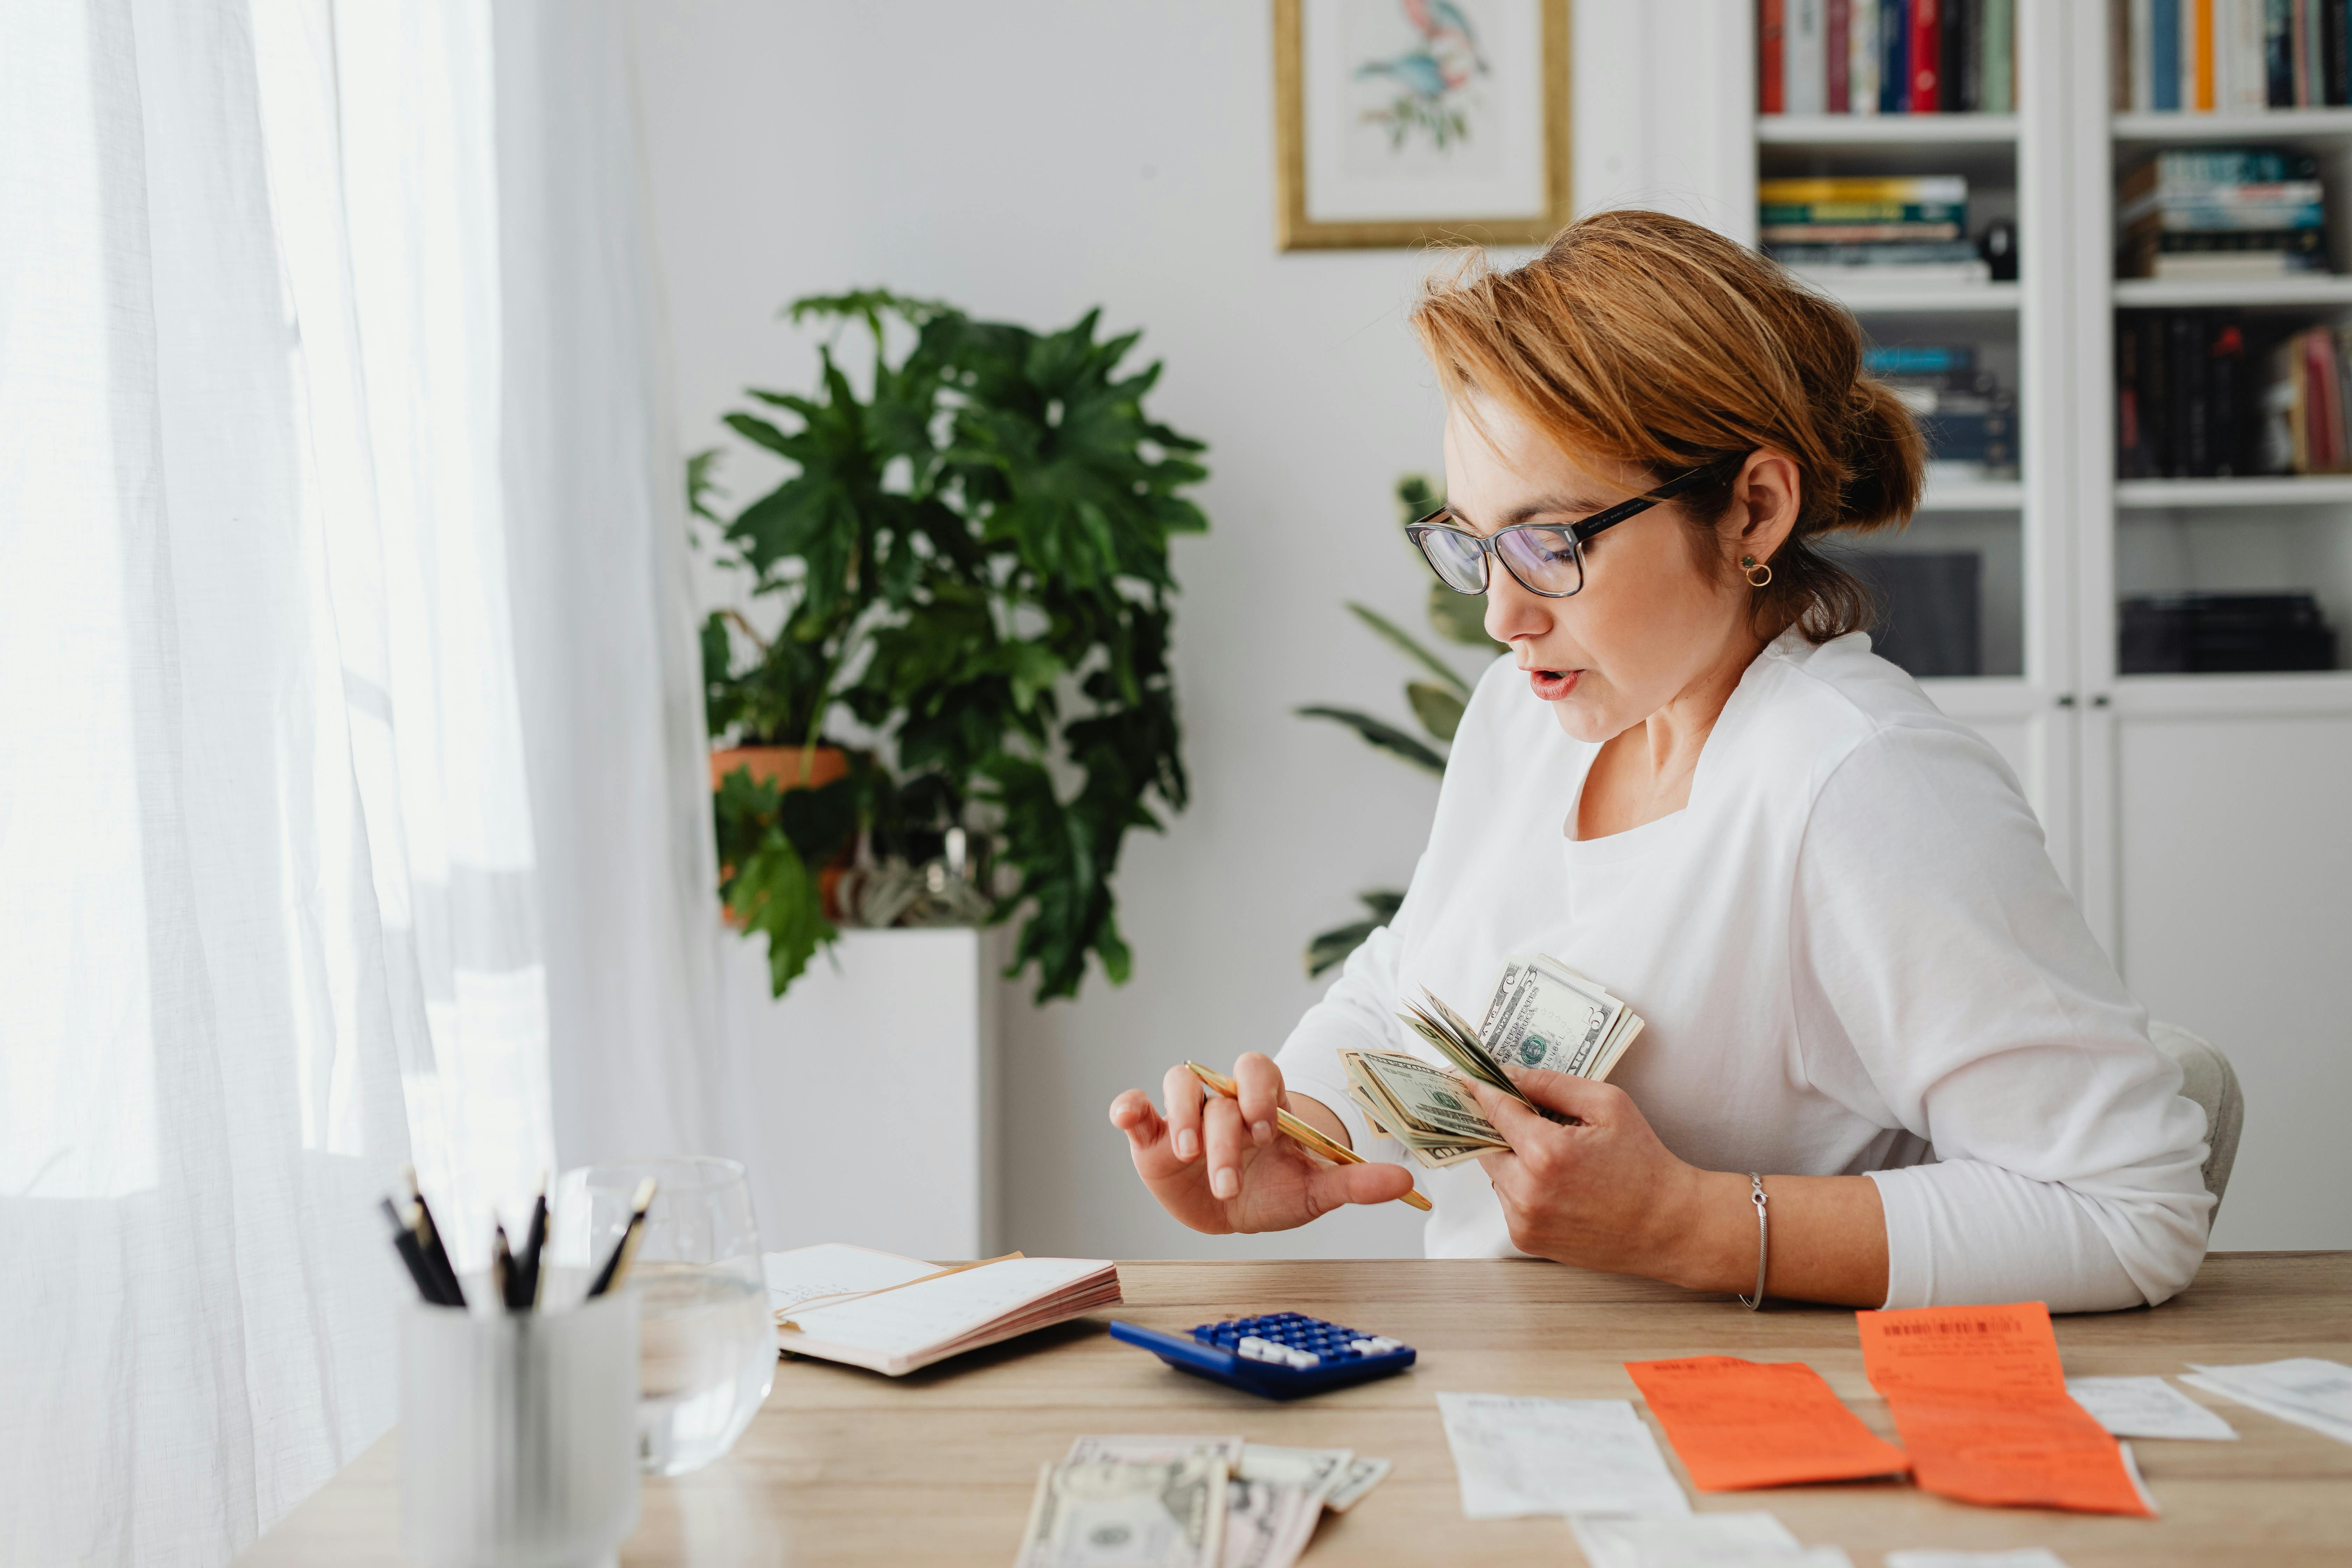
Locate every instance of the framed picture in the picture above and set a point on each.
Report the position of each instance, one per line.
(1401, 121)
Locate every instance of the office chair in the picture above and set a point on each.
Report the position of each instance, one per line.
(2207, 1078)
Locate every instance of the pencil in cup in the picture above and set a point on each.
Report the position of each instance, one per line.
(1299, 1131)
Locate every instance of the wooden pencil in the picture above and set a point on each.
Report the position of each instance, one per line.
(1299, 1131)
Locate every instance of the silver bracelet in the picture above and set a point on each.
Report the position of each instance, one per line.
(1763, 1241)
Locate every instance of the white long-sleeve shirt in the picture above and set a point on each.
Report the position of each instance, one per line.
(1854, 957)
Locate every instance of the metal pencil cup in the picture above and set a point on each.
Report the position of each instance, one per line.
(519, 1435)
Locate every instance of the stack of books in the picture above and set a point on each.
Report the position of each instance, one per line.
(1899, 230)
(2199, 634)
(2232, 213)
(2203, 55)
(1888, 57)
(2198, 397)
(1969, 419)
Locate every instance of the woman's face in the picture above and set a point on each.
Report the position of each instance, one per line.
(1651, 620)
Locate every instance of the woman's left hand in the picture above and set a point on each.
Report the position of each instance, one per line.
(1604, 1194)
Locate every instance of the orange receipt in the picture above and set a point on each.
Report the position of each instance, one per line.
(1740, 1424)
(1981, 1399)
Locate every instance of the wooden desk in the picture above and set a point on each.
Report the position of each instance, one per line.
(846, 1467)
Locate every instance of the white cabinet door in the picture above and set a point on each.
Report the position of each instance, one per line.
(2232, 834)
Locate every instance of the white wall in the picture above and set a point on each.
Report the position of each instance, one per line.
(1027, 160)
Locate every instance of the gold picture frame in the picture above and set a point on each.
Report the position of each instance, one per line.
(1297, 231)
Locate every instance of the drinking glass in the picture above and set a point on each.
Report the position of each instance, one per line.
(706, 1345)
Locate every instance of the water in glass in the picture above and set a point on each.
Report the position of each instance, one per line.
(707, 1344)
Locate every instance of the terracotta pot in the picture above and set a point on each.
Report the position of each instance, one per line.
(781, 765)
(791, 767)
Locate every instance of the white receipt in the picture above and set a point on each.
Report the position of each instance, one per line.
(1517, 1457)
(938, 1310)
(1704, 1537)
(2146, 1408)
(2022, 1557)
(2303, 1389)
(808, 1273)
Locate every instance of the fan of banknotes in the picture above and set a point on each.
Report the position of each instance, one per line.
(1187, 1502)
(1543, 1014)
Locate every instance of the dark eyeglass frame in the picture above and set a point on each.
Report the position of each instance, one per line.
(1577, 533)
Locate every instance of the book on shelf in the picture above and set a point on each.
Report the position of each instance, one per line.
(2221, 213)
(2209, 634)
(1867, 267)
(2188, 171)
(1969, 419)
(2239, 256)
(1851, 211)
(1886, 57)
(2229, 56)
(2198, 396)
(1906, 230)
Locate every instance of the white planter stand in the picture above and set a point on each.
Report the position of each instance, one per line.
(874, 1091)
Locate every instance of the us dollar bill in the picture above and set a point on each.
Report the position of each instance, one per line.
(1426, 1109)
(1139, 1448)
(1419, 1099)
(1273, 1495)
(1128, 1513)
(1267, 1522)
(1315, 1470)
(1362, 1475)
(1543, 1014)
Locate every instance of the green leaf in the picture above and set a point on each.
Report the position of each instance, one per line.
(1405, 642)
(772, 892)
(1462, 618)
(1328, 949)
(1034, 669)
(1380, 734)
(700, 485)
(1438, 707)
(1417, 497)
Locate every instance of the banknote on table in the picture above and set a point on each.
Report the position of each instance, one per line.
(1128, 1513)
(1315, 1471)
(1362, 1475)
(1274, 1496)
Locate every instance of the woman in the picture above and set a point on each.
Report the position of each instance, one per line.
(1870, 999)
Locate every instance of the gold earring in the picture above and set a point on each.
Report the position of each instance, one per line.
(1749, 568)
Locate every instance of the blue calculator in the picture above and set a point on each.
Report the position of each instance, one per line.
(1282, 1355)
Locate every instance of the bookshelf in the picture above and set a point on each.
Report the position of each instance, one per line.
(1933, 299)
(1945, 131)
(2201, 819)
(2266, 294)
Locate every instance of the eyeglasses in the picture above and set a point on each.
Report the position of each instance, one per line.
(1542, 557)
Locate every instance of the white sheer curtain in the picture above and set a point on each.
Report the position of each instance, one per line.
(271, 913)
(605, 625)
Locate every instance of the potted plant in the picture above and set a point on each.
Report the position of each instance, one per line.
(1437, 705)
(968, 568)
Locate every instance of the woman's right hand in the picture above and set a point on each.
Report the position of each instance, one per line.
(1220, 1166)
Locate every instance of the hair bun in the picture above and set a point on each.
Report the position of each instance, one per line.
(1885, 457)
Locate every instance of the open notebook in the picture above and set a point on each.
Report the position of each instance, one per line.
(894, 1314)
